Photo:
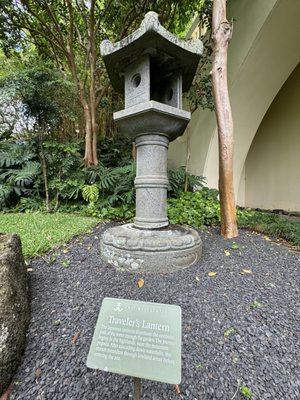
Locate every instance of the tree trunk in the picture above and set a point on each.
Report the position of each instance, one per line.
(95, 130)
(187, 159)
(221, 35)
(92, 89)
(44, 172)
(91, 133)
(88, 154)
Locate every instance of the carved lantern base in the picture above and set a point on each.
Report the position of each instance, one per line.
(150, 251)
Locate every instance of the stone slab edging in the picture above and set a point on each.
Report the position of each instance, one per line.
(14, 307)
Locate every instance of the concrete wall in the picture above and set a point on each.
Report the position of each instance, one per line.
(272, 168)
(262, 54)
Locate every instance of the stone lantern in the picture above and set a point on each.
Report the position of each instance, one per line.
(152, 68)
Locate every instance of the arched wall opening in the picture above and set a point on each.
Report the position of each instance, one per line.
(272, 167)
(262, 55)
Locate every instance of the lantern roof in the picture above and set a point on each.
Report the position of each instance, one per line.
(167, 53)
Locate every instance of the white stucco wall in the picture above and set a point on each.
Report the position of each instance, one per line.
(272, 168)
(262, 54)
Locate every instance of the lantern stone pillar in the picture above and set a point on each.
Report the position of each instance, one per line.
(152, 68)
(151, 182)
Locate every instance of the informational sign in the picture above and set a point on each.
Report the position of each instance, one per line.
(138, 339)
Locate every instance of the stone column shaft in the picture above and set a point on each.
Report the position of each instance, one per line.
(151, 182)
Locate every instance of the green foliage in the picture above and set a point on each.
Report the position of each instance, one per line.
(19, 172)
(90, 193)
(200, 94)
(246, 392)
(14, 154)
(67, 36)
(66, 176)
(195, 209)
(270, 224)
(124, 212)
(41, 232)
(46, 95)
(116, 151)
(203, 208)
(30, 204)
(178, 178)
(255, 304)
(116, 184)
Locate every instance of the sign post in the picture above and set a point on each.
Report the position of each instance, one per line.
(137, 388)
(138, 339)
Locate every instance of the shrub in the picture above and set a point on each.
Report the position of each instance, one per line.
(271, 224)
(179, 178)
(195, 209)
(19, 172)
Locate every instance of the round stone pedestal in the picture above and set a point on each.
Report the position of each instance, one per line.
(150, 251)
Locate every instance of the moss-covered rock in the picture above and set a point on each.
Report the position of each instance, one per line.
(14, 307)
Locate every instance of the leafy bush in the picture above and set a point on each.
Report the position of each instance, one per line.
(115, 184)
(203, 208)
(115, 151)
(39, 166)
(19, 172)
(125, 212)
(179, 178)
(195, 209)
(30, 204)
(271, 224)
(65, 174)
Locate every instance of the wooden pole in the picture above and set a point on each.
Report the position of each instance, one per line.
(137, 388)
(221, 35)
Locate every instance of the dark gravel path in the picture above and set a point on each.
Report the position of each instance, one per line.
(235, 326)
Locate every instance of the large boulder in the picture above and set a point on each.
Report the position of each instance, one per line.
(14, 307)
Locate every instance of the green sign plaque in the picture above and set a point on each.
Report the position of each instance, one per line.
(138, 339)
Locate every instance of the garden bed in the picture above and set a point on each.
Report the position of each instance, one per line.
(239, 324)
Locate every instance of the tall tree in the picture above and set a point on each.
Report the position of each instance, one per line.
(70, 31)
(221, 35)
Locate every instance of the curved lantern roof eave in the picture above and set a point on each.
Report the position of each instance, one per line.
(151, 38)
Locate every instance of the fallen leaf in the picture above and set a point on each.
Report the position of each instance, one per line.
(38, 372)
(234, 246)
(65, 251)
(75, 337)
(177, 390)
(267, 238)
(197, 278)
(227, 253)
(246, 271)
(229, 332)
(212, 274)
(140, 282)
(7, 393)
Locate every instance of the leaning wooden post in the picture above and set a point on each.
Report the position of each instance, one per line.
(137, 388)
(221, 35)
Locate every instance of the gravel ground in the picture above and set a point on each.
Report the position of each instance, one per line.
(237, 327)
